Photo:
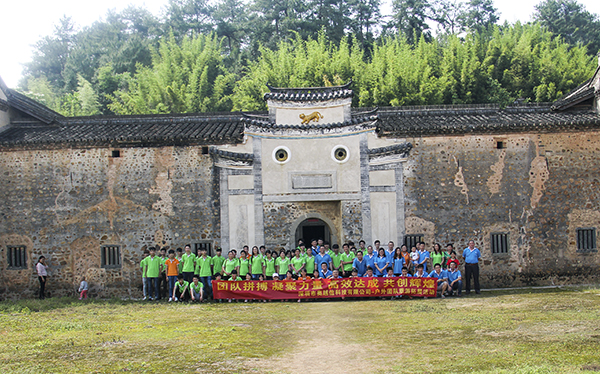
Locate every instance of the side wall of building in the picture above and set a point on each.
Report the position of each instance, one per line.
(538, 189)
(67, 204)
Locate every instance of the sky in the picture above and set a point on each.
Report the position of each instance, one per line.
(24, 22)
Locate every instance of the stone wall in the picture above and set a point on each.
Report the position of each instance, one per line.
(537, 188)
(66, 204)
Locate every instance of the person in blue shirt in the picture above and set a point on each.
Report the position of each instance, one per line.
(381, 263)
(369, 272)
(324, 272)
(389, 272)
(323, 257)
(389, 254)
(313, 247)
(405, 272)
(335, 274)
(360, 264)
(454, 279)
(442, 279)
(398, 262)
(420, 273)
(370, 257)
(472, 256)
(423, 256)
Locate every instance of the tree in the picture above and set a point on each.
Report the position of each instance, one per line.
(571, 21)
(410, 18)
(480, 15)
(50, 56)
(189, 17)
(450, 16)
(184, 77)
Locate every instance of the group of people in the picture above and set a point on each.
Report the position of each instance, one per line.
(182, 275)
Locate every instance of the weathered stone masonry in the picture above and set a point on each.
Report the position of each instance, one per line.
(450, 174)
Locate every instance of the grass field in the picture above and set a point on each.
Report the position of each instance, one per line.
(523, 331)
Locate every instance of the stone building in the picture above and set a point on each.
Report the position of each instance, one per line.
(91, 193)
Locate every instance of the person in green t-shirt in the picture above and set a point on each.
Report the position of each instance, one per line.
(244, 267)
(336, 257)
(309, 262)
(297, 263)
(188, 263)
(347, 258)
(269, 265)
(204, 270)
(230, 264)
(180, 292)
(447, 252)
(196, 289)
(235, 276)
(152, 267)
(282, 263)
(217, 262)
(143, 266)
(436, 256)
(256, 263)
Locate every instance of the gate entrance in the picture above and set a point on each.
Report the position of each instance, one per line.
(312, 228)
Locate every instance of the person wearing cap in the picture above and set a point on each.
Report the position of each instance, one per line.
(275, 276)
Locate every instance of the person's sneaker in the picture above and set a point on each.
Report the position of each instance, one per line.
(145, 298)
(170, 299)
(443, 296)
(174, 299)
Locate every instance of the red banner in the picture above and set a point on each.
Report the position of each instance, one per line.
(325, 288)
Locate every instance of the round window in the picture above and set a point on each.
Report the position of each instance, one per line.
(340, 153)
(281, 155)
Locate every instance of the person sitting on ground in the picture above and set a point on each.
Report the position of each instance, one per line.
(83, 289)
(369, 273)
(275, 277)
(325, 272)
(442, 279)
(335, 274)
(354, 274)
(196, 289)
(303, 275)
(235, 276)
(289, 276)
(389, 272)
(454, 279)
(180, 292)
(405, 272)
(420, 273)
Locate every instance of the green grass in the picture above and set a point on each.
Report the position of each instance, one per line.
(527, 332)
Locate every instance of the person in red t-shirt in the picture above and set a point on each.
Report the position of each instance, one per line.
(453, 259)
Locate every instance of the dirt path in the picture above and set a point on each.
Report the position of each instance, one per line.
(323, 347)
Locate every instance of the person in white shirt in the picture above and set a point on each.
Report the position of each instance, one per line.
(42, 271)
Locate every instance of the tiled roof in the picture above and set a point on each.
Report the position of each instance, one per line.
(581, 93)
(396, 149)
(32, 107)
(309, 93)
(456, 120)
(356, 120)
(129, 131)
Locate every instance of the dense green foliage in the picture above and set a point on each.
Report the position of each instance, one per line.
(219, 57)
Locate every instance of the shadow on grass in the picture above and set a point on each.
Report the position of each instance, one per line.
(36, 305)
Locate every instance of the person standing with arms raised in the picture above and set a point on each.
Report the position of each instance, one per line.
(472, 256)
